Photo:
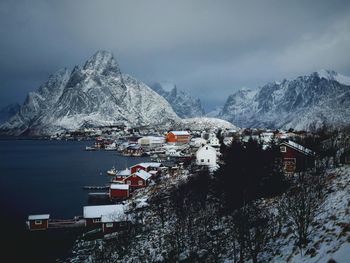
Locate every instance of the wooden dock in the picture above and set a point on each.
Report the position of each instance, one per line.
(69, 223)
(95, 187)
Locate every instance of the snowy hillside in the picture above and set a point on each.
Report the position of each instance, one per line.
(331, 238)
(183, 104)
(155, 241)
(92, 95)
(305, 103)
(203, 123)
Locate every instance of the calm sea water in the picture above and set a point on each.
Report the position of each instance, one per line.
(38, 176)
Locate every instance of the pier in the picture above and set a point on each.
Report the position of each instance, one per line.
(95, 187)
(66, 223)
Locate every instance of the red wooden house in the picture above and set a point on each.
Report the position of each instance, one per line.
(114, 222)
(119, 191)
(178, 137)
(146, 167)
(139, 179)
(93, 214)
(119, 178)
(296, 157)
(38, 222)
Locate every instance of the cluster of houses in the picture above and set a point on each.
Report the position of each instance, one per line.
(203, 149)
(109, 218)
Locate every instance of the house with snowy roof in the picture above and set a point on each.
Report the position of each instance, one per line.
(93, 214)
(151, 166)
(38, 222)
(138, 179)
(121, 175)
(295, 157)
(119, 191)
(178, 137)
(207, 156)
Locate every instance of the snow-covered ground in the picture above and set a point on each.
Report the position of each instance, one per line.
(329, 240)
(331, 237)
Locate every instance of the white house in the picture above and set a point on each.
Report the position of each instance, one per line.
(206, 155)
(197, 142)
(213, 140)
(151, 141)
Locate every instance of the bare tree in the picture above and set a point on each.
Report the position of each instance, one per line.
(258, 230)
(301, 204)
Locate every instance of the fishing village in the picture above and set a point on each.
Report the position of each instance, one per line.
(171, 154)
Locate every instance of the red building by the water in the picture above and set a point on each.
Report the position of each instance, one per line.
(38, 222)
(138, 179)
(119, 191)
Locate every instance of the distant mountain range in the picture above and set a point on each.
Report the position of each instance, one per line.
(92, 95)
(98, 94)
(304, 103)
(183, 104)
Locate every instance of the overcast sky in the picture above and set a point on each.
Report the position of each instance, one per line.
(209, 48)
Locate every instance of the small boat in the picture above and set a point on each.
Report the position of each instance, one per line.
(88, 148)
(111, 147)
(112, 172)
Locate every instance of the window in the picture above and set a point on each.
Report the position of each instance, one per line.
(96, 220)
(202, 160)
(38, 222)
(206, 148)
(208, 160)
(109, 225)
(140, 182)
(128, 182)
(283, 149)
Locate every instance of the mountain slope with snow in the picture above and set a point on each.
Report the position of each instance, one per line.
(305, 103)
(183, 104)
(92, 95)
(203, 123)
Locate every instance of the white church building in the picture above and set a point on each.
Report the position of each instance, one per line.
(206, 155)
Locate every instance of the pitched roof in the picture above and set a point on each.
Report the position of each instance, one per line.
(97, 211)
(146, 165)
(299, 148)
(180, 132)
(125, 172)
(117, 216)
(120, 186)
(38, 217)
(143, 174)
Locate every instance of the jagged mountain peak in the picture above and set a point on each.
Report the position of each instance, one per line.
(333, 75)
(102, 62)
(304, 103)
(97, 93)
(183, 104)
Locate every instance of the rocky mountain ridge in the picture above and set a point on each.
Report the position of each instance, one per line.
(304, 103)
(183, 104)
(96, 94)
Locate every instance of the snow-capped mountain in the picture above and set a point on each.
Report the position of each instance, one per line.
(183, 104)
(92, 95)
(8, 111)
(304, 103)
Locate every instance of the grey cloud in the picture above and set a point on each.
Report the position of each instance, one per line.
(210, 48)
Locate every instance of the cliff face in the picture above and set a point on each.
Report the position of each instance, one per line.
(183, 104)
(92, 95)
(305, 103)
